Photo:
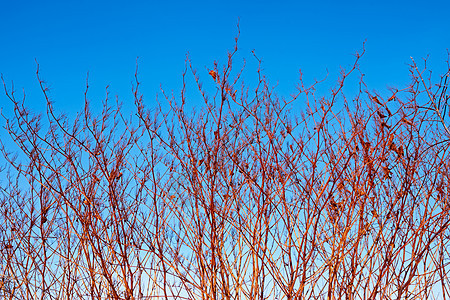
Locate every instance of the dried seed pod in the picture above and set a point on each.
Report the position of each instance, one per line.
(213, 74)
(375, 99)
(381, 115)
(374, 213)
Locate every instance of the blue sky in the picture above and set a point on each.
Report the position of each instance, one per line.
(104, 38)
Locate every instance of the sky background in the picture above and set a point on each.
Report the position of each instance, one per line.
(71, 38)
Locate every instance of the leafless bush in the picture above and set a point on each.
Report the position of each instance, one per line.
(248, 196)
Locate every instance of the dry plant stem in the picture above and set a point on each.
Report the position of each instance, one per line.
(435, 106)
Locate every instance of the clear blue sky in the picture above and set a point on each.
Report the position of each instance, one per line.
(104, 38)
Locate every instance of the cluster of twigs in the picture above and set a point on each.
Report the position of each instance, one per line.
(249, 196)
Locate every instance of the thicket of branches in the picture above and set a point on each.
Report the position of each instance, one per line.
(248, 196)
